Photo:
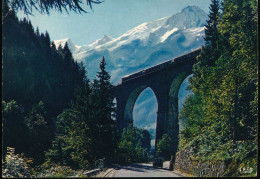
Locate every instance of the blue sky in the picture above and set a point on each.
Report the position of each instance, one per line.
(112, 17)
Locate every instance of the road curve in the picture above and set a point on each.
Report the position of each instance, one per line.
(141, 170)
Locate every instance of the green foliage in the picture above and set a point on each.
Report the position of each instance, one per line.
(86, 131)
(49, 84)
(37, 69)
(34, 71)
(73, 145)
(145, 139)
(40, 134)
(27, 6)
(220, 119)
(16, 165)
(191, 115)
(102, 107)
(14, 128)
(134, 146)
(28, 134)
(163, 148)
(57, 171)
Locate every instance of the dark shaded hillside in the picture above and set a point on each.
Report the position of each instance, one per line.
(33, 70)
(38, 84)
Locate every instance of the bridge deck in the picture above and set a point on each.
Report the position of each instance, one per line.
(174, 61)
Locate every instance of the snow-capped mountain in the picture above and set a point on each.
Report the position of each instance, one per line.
(145, 45)
(71, 45)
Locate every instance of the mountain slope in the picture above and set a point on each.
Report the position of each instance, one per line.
(145, 45)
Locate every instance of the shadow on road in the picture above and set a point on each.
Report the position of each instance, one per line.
(141, 168)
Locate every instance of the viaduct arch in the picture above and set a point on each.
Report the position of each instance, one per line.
(165, 80)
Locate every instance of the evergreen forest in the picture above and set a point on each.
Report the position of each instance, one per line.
(53, 115)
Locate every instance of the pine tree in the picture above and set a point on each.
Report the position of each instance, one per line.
(53, 49)
(67, 55)
(104, 91)
(210, 51)
(42, 40)
(102, 99)
(82, 100)
(43, 7)
(37, 33)
(47, 40)
(211, 31)
(203, 80)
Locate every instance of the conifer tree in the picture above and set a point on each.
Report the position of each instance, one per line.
(47, 40)
(102, 100)
(37, 33)
(201, 82)
(104, 91)
(53, 48)
(67, 55)
(43, 7)
(210, 51)
(211, 31)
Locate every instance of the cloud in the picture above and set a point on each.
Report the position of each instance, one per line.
(115, 75)
(152, 143)
(150, 126)
(145, 110)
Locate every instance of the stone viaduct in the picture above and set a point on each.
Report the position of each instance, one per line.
(165, 80)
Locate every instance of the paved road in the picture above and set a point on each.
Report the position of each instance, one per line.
(141, 170)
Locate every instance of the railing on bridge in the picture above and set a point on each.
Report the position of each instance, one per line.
(160, 66)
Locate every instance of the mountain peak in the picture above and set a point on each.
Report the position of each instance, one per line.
(106, 39)
(62, 43)
(189, 17)
(192, 9)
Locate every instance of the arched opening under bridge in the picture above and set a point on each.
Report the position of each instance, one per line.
(145, 113)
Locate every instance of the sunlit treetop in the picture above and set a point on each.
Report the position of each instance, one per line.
(44, 6)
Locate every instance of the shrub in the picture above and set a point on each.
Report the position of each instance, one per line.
(16, 165)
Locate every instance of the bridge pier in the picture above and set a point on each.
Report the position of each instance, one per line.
(160, 125)
(162, 114)
(173, 128)
(119, 109)
(173, 121)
